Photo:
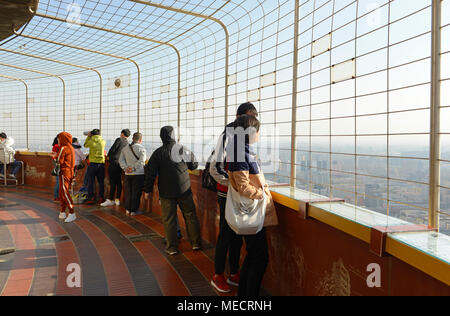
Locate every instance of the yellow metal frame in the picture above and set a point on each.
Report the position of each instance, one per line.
(49, 75)
(420, 260)
(206, 17)
(435, 119)
(26, 105)
(347, 226)
(68, 64)
(90, 51)
(132, 36)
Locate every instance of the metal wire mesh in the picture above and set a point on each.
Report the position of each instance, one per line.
(355, 128)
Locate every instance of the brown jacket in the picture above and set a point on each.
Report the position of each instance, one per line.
(250, 186)
(66, 155)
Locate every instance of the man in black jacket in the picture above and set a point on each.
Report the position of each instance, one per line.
(171, 163)
(114, 170)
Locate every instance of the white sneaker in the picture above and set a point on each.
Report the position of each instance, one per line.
(128, 212)
(117, 201)
(70, 218)
(62, 215)
(107, 203)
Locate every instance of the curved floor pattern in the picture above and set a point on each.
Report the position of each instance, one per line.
(118, 255)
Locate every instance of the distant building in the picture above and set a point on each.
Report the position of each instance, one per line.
(371, 191)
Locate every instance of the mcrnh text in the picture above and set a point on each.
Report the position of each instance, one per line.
(226, 306)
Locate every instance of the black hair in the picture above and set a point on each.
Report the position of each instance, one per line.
(246, 121)
(95, 132)
(74, 140)
(3, 135)
(247, 108)
(126, 132)
(249, 123)
(55, 141)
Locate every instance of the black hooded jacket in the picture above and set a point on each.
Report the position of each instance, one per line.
(116, 150)
(170, 163)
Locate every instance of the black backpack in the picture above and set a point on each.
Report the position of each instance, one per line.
(208, 181)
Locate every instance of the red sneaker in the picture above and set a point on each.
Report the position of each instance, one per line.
(233, 279)
(90, 202)
(218, 282)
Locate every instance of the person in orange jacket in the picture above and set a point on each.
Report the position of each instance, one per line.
(66, 160)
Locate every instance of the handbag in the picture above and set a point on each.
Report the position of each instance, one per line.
(57, 170)
(208, 181)
(245, 216)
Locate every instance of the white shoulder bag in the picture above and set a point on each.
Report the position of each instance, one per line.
(245, 216)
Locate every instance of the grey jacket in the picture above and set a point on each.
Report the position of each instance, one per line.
(128, 160)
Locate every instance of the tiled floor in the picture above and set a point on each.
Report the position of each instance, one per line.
(117, 254)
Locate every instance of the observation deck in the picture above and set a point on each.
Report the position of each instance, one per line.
(354, 104)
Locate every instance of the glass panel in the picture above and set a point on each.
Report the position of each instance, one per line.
(343, 71)
(409, 169)
(268, 79)
(436, 245)
(408, 213)
(321, 45)
(413, 196)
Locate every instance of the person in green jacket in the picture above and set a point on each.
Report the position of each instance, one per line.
(96, 168)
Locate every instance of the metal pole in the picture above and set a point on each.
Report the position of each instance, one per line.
(179, 98)
(94, 52)
(435, 148)
(26, 106)
(206, 17)
(50, 75)
(294, 96)
(68, 64)
(127, 35)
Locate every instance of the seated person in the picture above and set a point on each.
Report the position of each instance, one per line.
(7, 156)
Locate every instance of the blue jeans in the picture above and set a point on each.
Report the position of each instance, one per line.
(96, 170)
(56, 190)
(15, 167)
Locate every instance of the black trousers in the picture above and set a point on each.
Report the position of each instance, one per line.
(255, 264)
(115, 181)
(227, 242)
(134, 186)
(96, 170)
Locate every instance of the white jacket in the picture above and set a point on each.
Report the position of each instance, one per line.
(7, 152)
(128, 160)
